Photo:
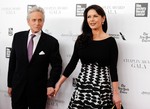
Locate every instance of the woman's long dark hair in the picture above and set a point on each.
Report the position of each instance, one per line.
(87, 35)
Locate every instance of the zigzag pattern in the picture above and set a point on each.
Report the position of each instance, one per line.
(93, 90)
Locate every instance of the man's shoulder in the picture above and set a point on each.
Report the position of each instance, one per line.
(48, 36)
(21, 32)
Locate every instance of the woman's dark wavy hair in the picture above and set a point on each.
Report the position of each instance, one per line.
(87, 35)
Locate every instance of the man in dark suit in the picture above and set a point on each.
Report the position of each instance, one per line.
(28, 81)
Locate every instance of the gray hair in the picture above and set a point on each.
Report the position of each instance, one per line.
(36, 9)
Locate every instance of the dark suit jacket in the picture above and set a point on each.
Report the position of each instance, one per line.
(33, 76)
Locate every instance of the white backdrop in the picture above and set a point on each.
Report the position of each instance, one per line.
(128, 23)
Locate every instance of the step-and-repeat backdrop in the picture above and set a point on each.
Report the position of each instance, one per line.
(128, 23)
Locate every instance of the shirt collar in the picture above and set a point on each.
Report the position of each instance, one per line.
(37, 34)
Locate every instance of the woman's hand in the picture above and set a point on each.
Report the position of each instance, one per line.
(117, 100)
(116, 96)
(59, 83)
(57, 87)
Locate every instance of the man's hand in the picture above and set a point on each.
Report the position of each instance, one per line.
(50, 92)
(9, 91)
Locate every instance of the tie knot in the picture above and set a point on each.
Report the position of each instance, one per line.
(33, 35)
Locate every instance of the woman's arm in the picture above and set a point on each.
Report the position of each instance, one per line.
(59, 83)
(116, 96)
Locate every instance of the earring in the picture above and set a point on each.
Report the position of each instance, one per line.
(102, 23)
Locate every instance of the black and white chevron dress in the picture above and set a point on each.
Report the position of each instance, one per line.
(98, 71)
(93, 89)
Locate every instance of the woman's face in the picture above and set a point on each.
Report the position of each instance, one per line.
(94, 20)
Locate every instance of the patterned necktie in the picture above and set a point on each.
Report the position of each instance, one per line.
(30, 47)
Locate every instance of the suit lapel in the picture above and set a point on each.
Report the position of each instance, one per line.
(24, 44)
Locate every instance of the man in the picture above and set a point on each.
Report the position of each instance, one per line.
(28, 81)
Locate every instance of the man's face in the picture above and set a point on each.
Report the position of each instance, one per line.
(36, 21)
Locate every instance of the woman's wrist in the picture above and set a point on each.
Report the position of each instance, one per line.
(115, 91)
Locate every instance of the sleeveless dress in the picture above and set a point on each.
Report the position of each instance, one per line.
(93, 89)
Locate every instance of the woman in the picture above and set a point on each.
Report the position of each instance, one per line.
(97, 83)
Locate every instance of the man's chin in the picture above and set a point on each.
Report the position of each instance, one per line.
(36, 31)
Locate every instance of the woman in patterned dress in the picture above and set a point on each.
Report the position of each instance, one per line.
(97, 83)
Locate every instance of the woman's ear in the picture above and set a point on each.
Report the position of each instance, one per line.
(103, 19)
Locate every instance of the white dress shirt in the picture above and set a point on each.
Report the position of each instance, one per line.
(35, 39)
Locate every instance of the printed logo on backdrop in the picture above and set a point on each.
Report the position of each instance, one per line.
(141, 9)
(10, 10)
(8, 50)
(123, 89)
(71, 35)
(120, 35)
(48, 32)
(55, 102)
(145, 93)
(10, 31)
(29, 7)
(74, 82)
(4, 92)
(145, 37)
(114, 9)
(80, 9)
(55, 10)
(69, 55)
(137, 63)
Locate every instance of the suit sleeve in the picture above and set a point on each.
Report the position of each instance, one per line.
(56, 64)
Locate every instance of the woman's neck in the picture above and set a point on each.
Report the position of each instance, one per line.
(99, 35)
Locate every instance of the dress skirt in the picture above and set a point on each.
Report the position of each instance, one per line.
(93, 89)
